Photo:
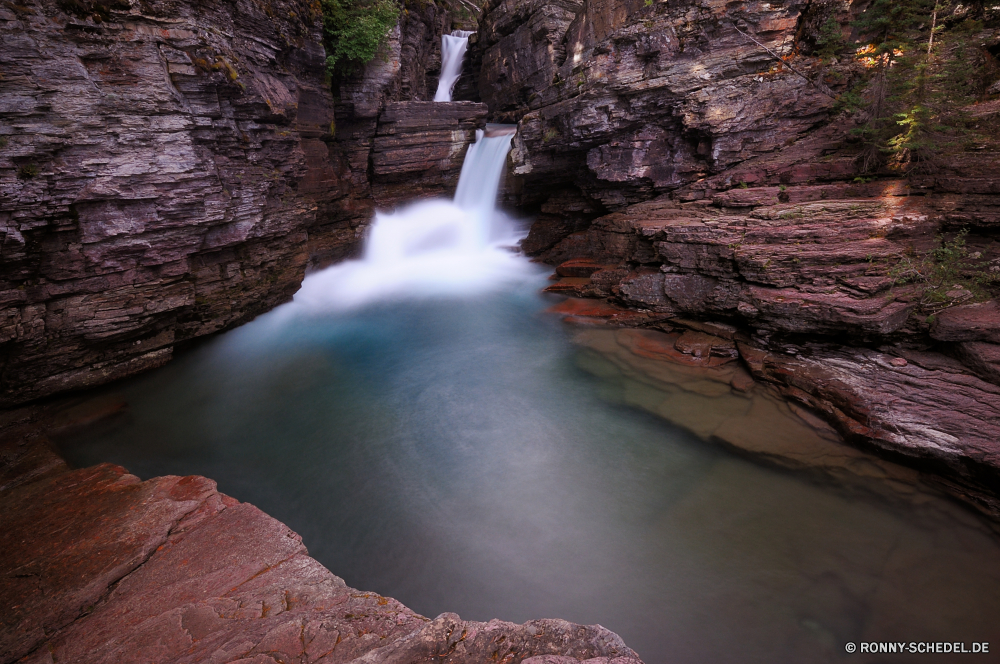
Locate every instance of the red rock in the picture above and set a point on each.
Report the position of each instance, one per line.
(742, 381)
(185, 218)
(931, 412)
(970, 322)
(65, 539)
(88, 413)
(700, 345)
(663, 346)
(580, 267)
(583, 310)
(983, 358)
(100, 567)
(568, 285)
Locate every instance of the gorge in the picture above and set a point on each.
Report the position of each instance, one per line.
(816, 323)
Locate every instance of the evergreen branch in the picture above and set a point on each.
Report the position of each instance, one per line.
(819, 85)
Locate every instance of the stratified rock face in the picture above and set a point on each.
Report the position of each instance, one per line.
(818, 266)
(922, 408)
(799, 271)
(407, 150)
(627, 99)
(419, 148)
(100, 567)
(161, 167)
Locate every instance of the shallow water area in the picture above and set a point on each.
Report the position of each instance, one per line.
(462, 454)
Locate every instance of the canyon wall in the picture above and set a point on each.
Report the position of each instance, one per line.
(170, 169)
(161, 168)
(679, 170)
(417, 149)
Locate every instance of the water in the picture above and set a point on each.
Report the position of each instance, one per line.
(435, 437)
(460, 454)
(453, 49)
(433, 248)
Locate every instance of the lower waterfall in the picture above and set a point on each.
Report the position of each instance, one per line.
(433, 247)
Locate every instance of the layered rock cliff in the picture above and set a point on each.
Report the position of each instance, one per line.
(694, 162)
(161, 169)
(169, 170)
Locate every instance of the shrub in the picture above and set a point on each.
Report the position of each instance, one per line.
(946, 276)
(27, 171)
(354, 31)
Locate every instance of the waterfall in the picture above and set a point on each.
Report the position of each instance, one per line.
(433, 247)
(453, 49)
(482, 169)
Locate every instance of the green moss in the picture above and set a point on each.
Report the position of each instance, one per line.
(27, 171)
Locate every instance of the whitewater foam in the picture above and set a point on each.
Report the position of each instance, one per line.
(453, 49)
(433, 248)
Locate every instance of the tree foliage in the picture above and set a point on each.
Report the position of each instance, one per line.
(354, 31)
(923, 73)
(831, 41)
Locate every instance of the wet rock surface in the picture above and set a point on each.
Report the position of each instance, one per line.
(419, 148)
(99, 566)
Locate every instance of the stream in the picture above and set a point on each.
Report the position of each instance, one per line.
(458, 455)
(435, 436)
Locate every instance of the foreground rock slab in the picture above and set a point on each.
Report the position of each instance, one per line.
(98, 566)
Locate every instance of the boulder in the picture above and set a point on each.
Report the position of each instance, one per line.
(101, 567)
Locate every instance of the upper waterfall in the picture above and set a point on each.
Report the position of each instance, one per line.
(453, 49)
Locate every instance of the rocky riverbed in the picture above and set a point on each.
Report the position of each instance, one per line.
(682, 172)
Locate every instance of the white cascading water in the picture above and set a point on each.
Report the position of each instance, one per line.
(433, 247)
(453, 49)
